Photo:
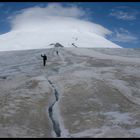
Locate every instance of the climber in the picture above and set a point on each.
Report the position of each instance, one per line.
(44, 59)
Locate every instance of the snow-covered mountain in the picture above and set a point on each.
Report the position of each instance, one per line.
(66, 32)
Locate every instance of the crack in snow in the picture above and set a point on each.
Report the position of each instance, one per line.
(56, 125)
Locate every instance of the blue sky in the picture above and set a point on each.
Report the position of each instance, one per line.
(121, 18)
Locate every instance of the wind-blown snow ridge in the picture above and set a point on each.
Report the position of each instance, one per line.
(66, 32)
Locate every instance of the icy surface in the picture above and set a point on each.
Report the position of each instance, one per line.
(99, 94)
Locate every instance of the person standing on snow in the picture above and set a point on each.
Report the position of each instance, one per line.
(57, 52)
(44, 59)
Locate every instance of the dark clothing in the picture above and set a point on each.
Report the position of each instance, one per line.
(44, 59)
(57, 52)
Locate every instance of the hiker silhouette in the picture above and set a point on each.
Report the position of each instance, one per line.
(57, 52)
(44, 59)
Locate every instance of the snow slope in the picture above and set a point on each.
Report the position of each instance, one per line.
(97, 95)
(68, 31)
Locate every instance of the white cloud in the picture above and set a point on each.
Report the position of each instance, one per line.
(123, 35)
(55, 14)
(53, 10)
(124, 13)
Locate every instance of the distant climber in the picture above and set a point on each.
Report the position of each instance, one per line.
(57, 52)
(44, 59)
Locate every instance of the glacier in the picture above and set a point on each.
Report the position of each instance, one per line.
(97, 89)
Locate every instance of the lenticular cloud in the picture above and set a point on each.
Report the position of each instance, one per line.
(37, 27)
